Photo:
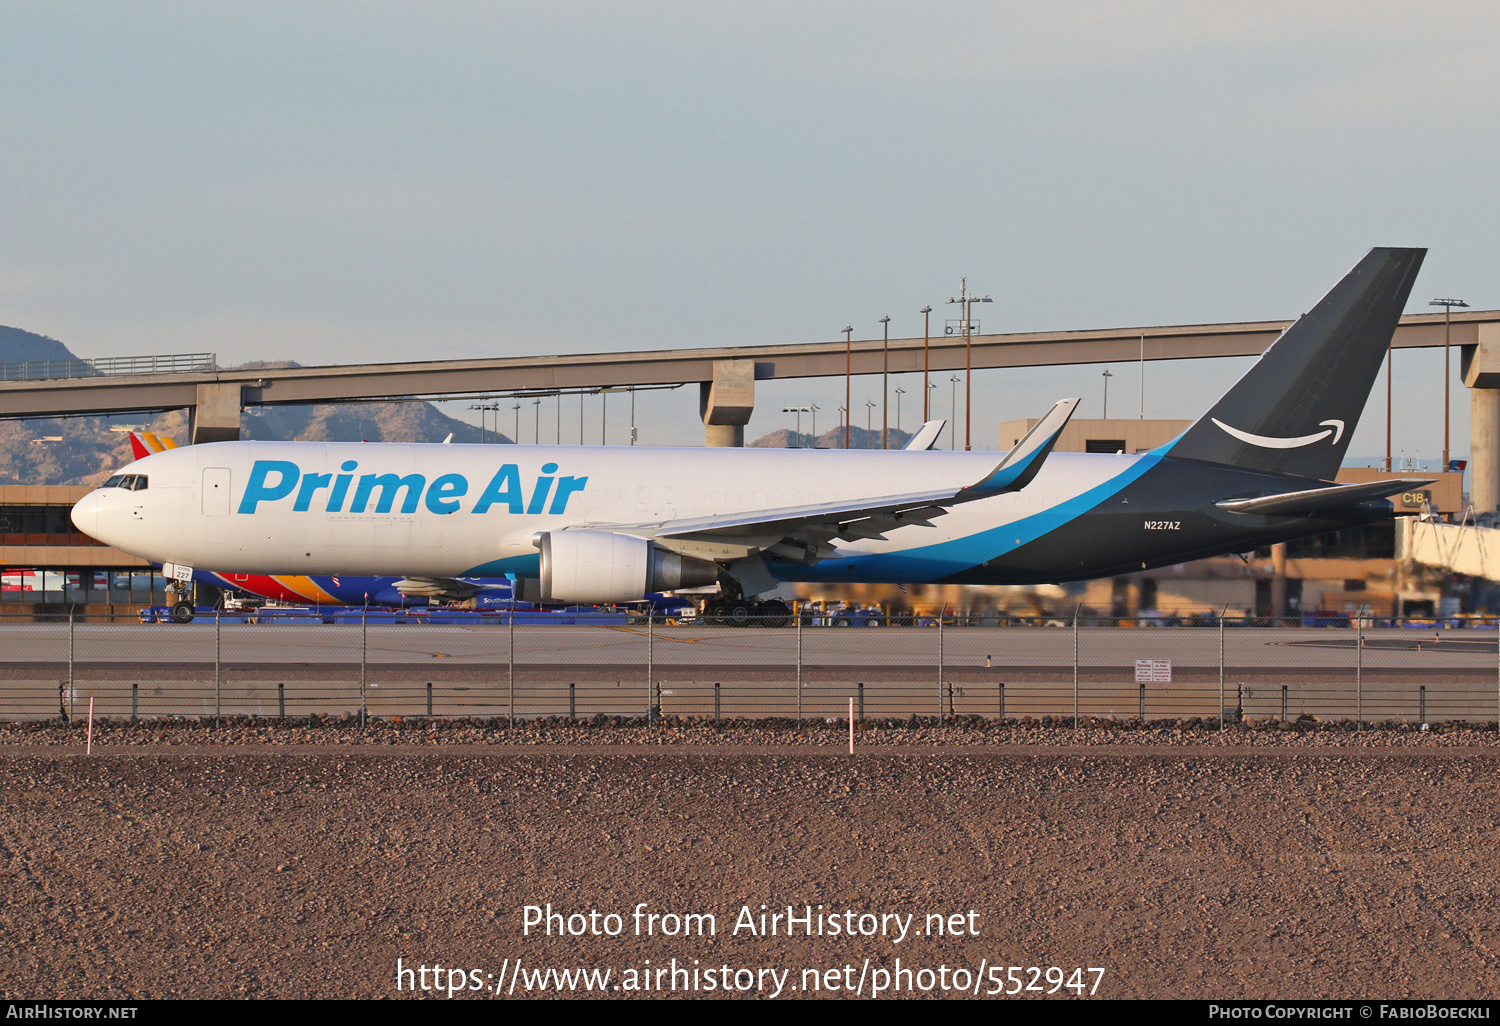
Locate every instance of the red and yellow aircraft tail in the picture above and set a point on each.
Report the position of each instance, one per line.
(144, 443)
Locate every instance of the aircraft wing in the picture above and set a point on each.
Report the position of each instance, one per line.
(803, 533)
(1322, 498)
(439, 587)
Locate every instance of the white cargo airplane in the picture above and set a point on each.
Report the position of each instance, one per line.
(581, 524)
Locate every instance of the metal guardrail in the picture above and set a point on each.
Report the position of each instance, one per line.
(108, 366)
(389, 663)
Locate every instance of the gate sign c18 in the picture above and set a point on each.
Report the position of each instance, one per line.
(1153, 671)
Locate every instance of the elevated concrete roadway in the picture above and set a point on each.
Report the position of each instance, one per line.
(726, 375)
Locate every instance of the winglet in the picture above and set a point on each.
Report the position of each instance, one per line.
(1024, 462)
(926, 437)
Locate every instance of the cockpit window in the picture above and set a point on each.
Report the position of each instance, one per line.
(129, 482)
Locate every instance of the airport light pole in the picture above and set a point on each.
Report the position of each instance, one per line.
(926, 313)
(1107, 376)
(843, 410)
(536, 409)
(632, 416)
(483, 423)
(885, 376)
(967, 302)
(953, 413)
(517, 409)
(899, 393)
(1389, 354)
(1447, 305)
(799, 411)
(869, 429)
(848, 373)
(814, 410)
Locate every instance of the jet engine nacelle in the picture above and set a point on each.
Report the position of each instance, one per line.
(591, 567)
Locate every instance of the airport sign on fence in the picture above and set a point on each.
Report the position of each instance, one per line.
(1153, 671)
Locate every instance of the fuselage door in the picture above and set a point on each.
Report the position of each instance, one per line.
(216, 491)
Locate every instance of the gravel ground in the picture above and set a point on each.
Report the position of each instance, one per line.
(304, 860)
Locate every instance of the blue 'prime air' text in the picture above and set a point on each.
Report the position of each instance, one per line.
(274, 480)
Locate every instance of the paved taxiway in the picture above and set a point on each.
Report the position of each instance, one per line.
(414, 670)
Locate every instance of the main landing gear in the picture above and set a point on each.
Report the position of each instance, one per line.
(746, 613)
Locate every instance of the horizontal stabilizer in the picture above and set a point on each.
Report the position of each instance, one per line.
(1322, 498)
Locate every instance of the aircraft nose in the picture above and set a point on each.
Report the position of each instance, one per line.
(86, 514)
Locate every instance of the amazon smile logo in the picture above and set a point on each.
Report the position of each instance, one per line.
(1335, 428)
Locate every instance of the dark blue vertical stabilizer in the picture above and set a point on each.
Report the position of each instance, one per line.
(1296, 409)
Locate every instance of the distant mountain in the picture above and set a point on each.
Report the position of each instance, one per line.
(85, 451)
(833, 438)
(20, 346)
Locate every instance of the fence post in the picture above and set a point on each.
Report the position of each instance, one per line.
(572, 701)
(364, 649)
(1221, 666)
(1143, 703)
(1002, 703)
(281, 700)
(1422, 703)
(1076, 611)
(429, 700)
(942, 615)
(1359, 671)
(135, 688)
(861, 699)
(510, 701)
(70, 661)
(798, 613)
(716, 701)
(650, 668)
(218, 655)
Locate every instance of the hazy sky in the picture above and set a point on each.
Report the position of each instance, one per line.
(332, 182)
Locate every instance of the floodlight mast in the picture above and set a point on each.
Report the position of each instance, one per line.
(967, 301)
(848, 373)
(1447, 305)
(926, 312)
(885, 376)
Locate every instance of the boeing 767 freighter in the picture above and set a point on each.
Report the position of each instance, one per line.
(581, 524)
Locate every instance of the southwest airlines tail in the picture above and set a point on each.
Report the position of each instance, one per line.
(144, 443)
(1295, 410)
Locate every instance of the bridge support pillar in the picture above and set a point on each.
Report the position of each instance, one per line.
(726, 402)
(215, 417)
(1480, 365)
(1278, 579)
(1484, 449)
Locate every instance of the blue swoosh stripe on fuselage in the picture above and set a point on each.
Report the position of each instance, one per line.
(944, 559)
(519, 566)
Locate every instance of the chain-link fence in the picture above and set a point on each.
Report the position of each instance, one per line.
(436, 663)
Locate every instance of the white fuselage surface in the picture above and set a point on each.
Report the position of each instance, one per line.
(475, 510)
